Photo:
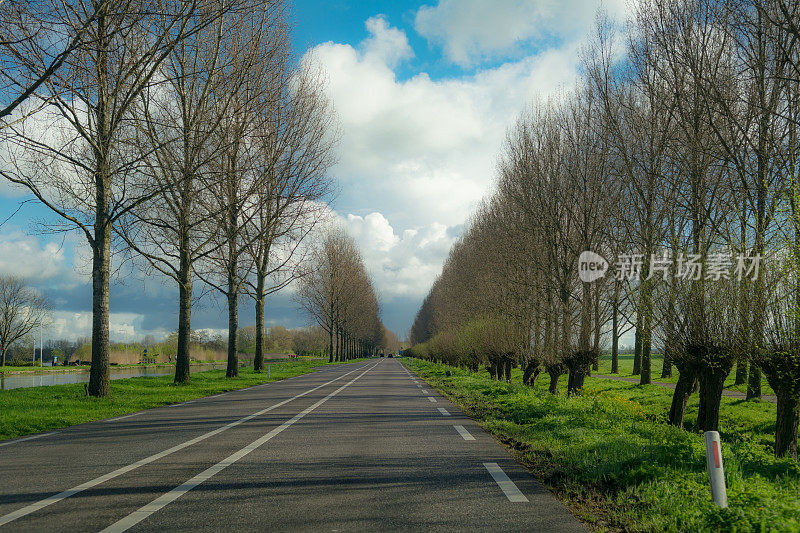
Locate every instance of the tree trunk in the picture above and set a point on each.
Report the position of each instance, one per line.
(99, 373)
(555, 373)
(615, 337)
(754, 382)
(666, 367)
(786, 426)
(741, 372)
(258, 358)
(507, 366)
(184, 320)
(531, 373)
(687, 380)
(596, 343)
(330, 345)
(233, 327)
(637, 347)
(711, 385)
(647, 333)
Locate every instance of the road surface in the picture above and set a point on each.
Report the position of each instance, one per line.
(359, 447)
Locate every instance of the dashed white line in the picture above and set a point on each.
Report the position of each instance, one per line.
(432, 399)
(506, 485)
(443, 411)
(28, 438)
(464, 433)
(424, 391)
(28, 509)
(165, 499)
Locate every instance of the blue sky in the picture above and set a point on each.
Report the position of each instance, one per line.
(424, 92)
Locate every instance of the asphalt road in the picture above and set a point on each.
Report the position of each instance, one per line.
(358, 447)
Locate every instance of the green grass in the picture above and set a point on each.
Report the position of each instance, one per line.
(36, 409)
(29, 368)
(611, 457)
(657, 362)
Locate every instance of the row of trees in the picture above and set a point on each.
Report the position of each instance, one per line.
(676, 165)
(338, 295)
(185, 135)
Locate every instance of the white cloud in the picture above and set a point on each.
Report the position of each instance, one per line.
(25, 256)
(421, 150)
(401, 265)
(417, 155)
(473, 30)
(122, 327)
(385, 44)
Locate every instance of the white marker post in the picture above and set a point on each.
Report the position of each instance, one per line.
(716, 472)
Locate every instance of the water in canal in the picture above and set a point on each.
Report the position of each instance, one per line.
(17, 381)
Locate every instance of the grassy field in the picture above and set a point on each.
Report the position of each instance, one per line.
(36, 409)
(657, 362)
(610, 456)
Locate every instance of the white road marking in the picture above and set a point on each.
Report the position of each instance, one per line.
(165, 499)
(122, 417)
(418, 385)
(464, 433)
(424, 391)
(432, 399)
(506, 485)
(443, 411)
(27, 438)
(28, 509)
(182, 403)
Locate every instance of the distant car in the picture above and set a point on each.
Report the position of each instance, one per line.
(391, 355)
(381, 355)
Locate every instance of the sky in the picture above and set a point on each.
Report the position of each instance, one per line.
(424, 93)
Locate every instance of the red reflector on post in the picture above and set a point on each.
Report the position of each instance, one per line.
(716, 454)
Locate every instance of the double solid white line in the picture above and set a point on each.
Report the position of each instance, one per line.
(169, 497)
(28, 509)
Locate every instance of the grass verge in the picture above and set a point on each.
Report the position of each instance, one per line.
(657, 362)
(609, 455)
(32, 410)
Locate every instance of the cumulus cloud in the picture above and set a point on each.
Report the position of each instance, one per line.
(405, 264)
(26, 256)
(470, 31)
(385, 44)
(423, 151)
(418, 154)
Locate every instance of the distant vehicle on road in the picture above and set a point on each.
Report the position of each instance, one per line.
(391, 355)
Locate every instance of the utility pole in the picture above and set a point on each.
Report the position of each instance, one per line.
(41, 344)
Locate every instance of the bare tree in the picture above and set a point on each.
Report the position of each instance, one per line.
(260, 44)
(293, 154)
(337, 293)
(180, 121)
(35, 40)
(22, 310)
(88, 175)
